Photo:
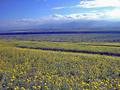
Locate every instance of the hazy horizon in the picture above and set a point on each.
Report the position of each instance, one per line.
(27, 14)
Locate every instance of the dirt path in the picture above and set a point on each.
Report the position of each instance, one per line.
(73, 51)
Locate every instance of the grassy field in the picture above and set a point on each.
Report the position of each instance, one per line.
(67, 37)
(87, 46)
(29, 69)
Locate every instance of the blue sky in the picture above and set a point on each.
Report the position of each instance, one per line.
(17, 9)
(28, 12)
(12, 9)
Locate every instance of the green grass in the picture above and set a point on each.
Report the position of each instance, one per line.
(88, 46)
(31, 69)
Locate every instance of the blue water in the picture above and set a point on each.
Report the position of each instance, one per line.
(63, 32)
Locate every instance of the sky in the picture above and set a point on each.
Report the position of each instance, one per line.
(27, 12)
(17, 9)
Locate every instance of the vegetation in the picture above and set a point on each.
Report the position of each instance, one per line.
(87, 46)
(30, 69)
(67, 37)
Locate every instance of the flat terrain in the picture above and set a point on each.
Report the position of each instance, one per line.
(104, 48)
(36, 69)
(93, 37)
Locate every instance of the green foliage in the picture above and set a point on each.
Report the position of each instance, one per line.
(87, 46)
(22, 69)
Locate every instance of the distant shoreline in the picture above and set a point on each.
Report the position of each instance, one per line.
(62, 32)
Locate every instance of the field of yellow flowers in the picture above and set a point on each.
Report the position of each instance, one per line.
(29, 69)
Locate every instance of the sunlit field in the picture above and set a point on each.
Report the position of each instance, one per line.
(59, 44)
(88, 46)
(32, 69)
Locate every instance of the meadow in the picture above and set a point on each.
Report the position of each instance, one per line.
(66, 37)
(31, 69)
(109, 47)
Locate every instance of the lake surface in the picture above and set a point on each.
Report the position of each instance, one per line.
(62, 32)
